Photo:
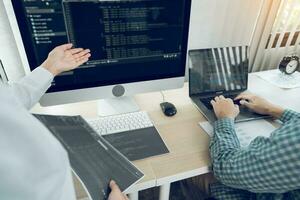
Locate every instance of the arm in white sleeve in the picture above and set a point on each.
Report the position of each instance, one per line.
(32, 87)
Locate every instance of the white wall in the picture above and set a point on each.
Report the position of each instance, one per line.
(216, 23)
(8, 49)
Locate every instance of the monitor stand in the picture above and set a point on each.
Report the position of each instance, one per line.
(117, 106)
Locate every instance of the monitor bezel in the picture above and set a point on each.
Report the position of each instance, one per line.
(11, 15)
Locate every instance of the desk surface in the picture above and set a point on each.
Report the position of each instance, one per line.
(187, 142)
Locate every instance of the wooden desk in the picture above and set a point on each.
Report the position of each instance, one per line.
(187, 142)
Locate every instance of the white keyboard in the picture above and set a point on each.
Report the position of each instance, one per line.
(121, 123)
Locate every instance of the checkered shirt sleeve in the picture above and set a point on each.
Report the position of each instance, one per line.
(267, 165)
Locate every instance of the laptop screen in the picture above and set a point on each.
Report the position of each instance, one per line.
(218, 70)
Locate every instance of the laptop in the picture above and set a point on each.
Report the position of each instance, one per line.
(219, 71)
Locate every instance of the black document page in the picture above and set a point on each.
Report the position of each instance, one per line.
(92, 158)
(138, 144)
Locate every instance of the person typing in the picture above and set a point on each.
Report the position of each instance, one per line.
(269, 167)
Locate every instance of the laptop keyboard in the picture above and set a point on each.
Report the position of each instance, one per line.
(206, 101)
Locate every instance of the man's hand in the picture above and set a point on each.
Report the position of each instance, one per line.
(64, 58)
(225, 108)
(259, 105)
(116, 193)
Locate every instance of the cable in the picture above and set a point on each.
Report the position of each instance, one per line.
(163, 96)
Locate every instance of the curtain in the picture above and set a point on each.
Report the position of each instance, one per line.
(281, 36)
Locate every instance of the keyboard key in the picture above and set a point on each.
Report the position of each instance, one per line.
(121, 123)
(206, 101)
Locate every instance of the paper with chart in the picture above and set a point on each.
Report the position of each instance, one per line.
(281, 80)
(246, 131)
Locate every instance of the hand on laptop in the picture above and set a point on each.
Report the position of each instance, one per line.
(259, 105)
(64, 58)
(116, 193)
(225, 108)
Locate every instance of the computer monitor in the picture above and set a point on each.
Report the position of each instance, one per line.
(137, 45)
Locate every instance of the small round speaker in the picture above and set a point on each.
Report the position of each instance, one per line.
(118, 91)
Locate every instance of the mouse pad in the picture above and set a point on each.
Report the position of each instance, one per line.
(138, 144)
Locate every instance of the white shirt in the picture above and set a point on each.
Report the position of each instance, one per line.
(33, 164)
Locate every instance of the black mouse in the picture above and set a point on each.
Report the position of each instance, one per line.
(168, 109)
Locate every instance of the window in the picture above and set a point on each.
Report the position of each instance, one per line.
(286, 28)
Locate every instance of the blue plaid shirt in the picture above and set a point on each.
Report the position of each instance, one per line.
(269, 168)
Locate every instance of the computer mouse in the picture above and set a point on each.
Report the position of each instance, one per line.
(168, 109)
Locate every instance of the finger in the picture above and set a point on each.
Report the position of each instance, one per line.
(214, 105)
(217, 98)
(82, 57)
(85, 57)
(81, 61)
(237, 107)
(77, 50)
(88, 55)
(65, 46)
(229, 100)
(82, 53)
(113, 185)
(221, 97)
(244, 96)
(212, 102)
(246, 103)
